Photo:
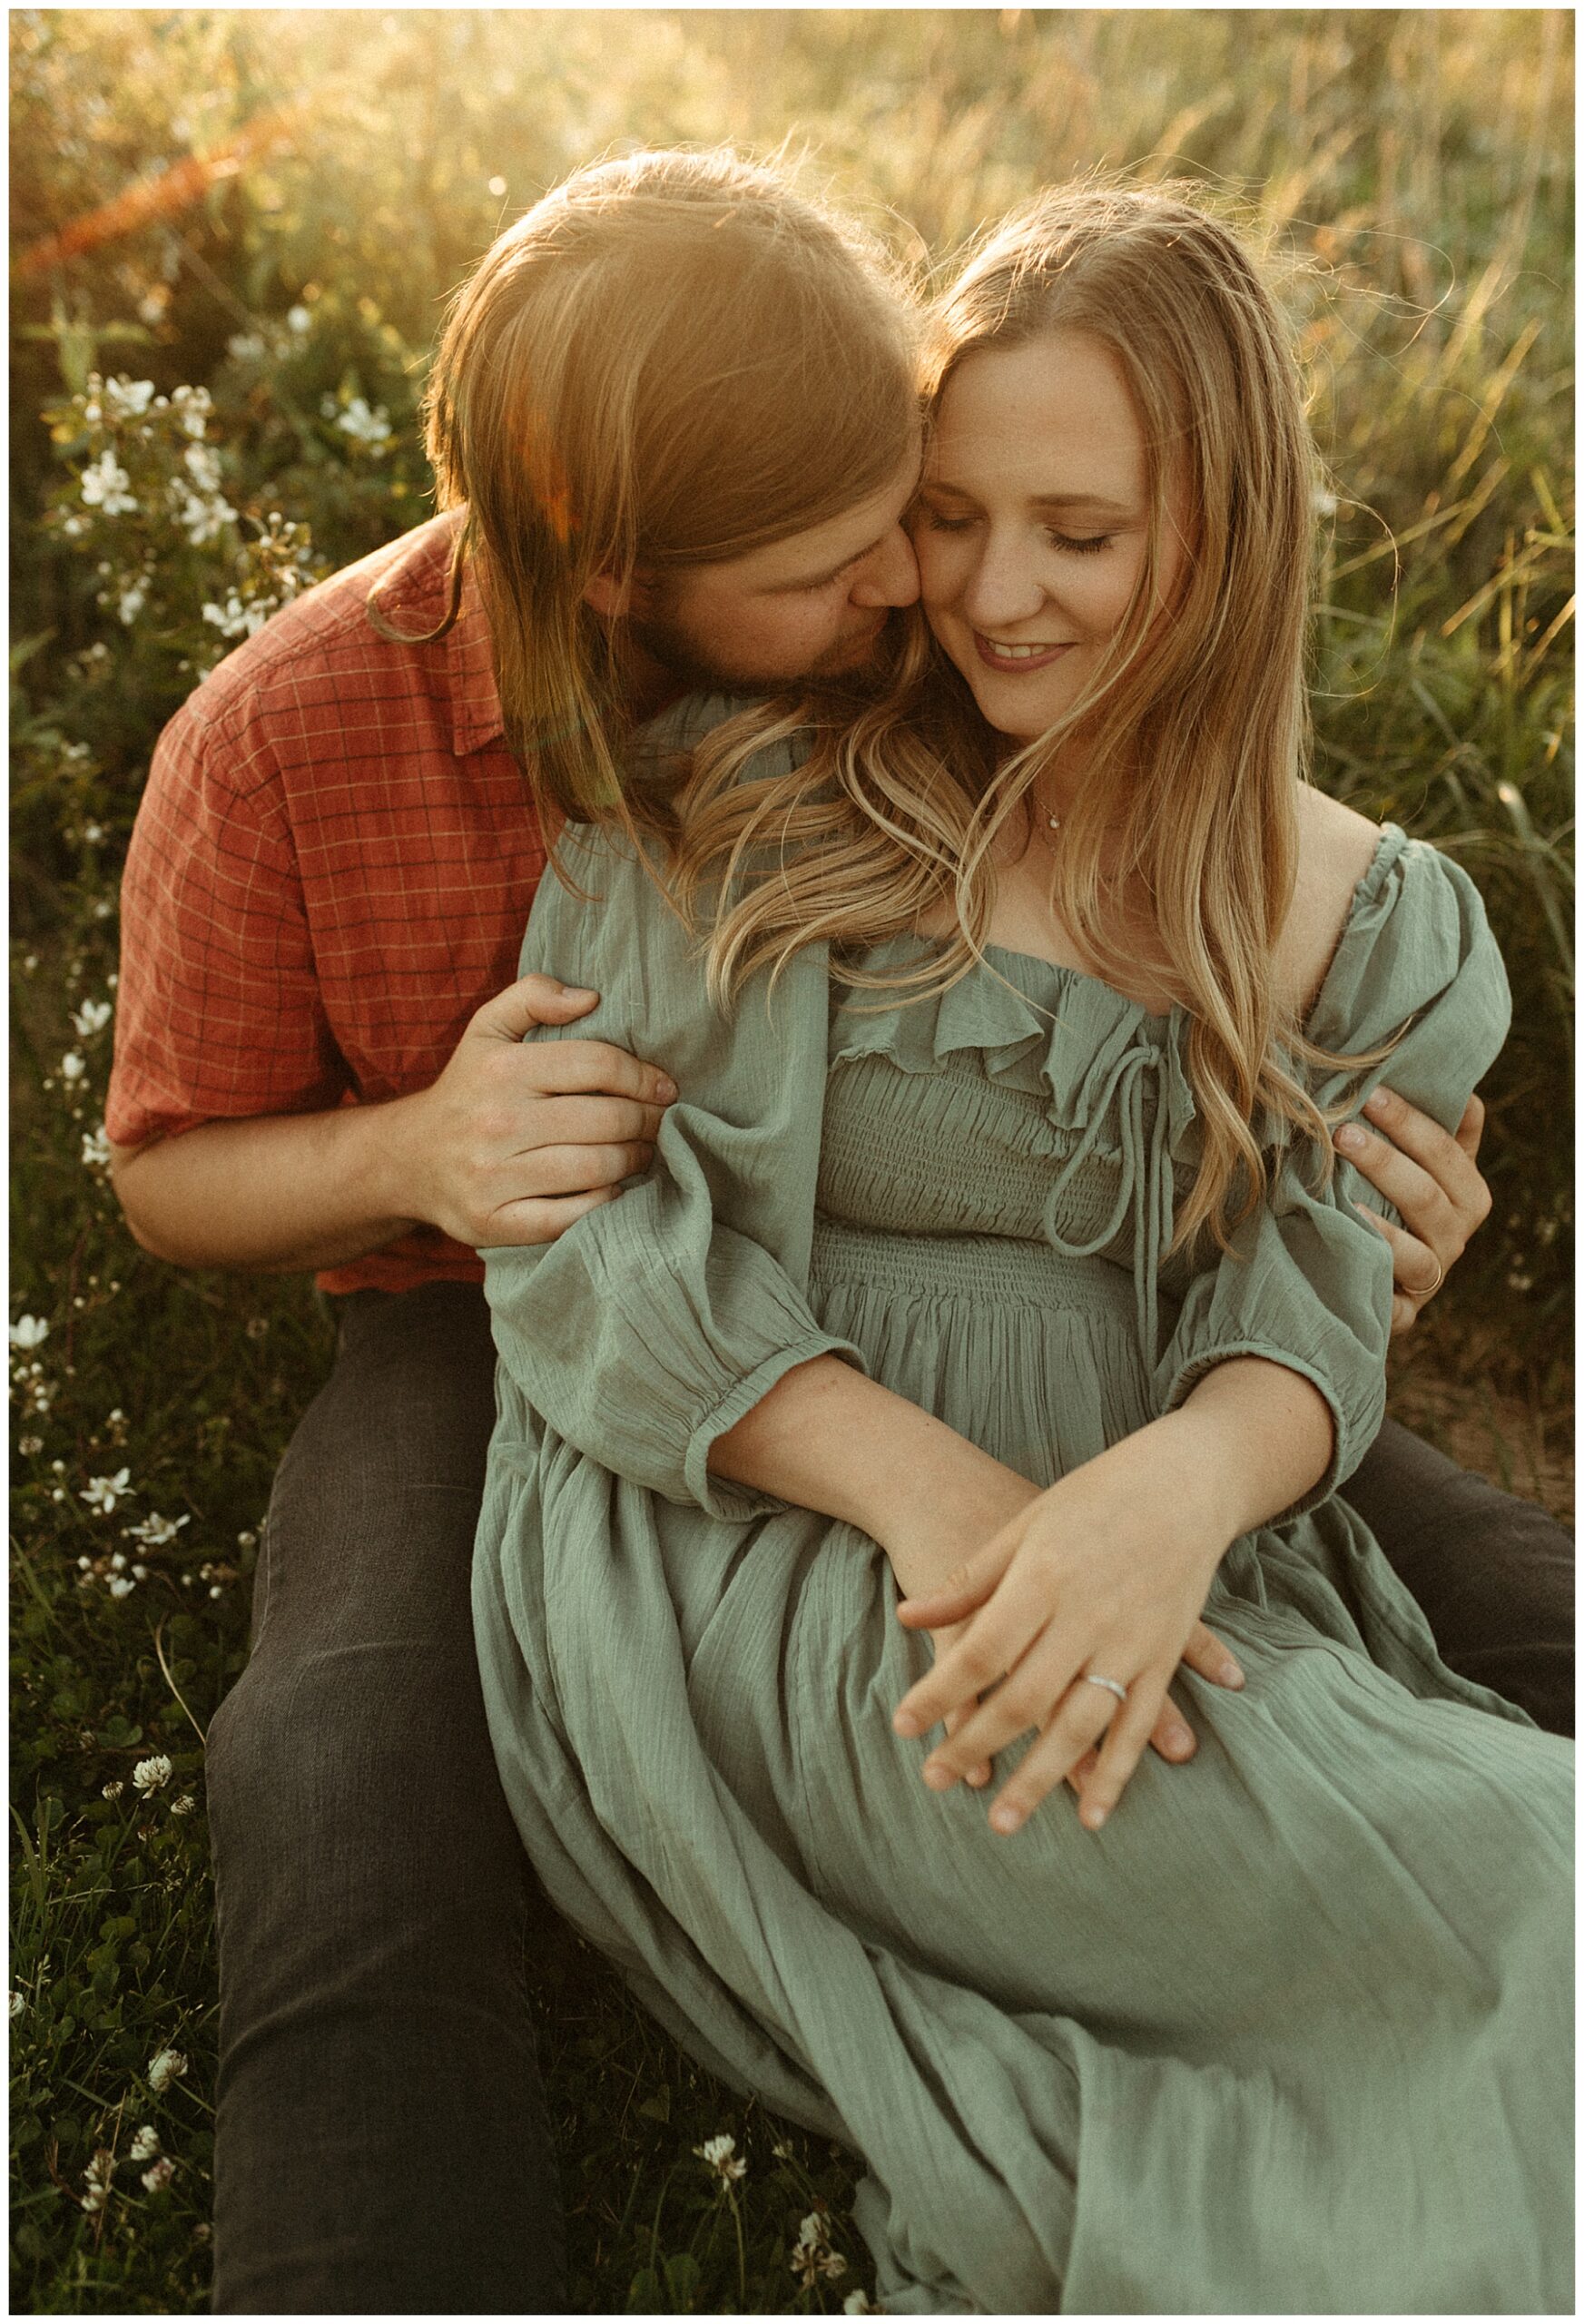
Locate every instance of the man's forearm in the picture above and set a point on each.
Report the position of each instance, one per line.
(272, 1195)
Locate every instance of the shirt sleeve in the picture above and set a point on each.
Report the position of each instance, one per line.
(218, 1012)
(1307, 1283)
(658, 1320)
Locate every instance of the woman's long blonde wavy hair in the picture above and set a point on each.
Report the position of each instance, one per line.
(672, 359)
(1195, 724)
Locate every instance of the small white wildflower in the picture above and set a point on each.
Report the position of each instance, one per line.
(96, 1149)
(103, 908)
(94, 834)
(27, 1445)
(859, 2303)
(121, 1585)
(811, 2255)
(104, 485)
(92, 1018)
(151, 306)
(202, 465)
(113, 1791)
(104, 1492)
(363, 426)
(145, 2144)
(140, 1573)
(73, 1066)
(128, 398)
(158, 2178)
(155, 1531)
(168, 2066)
(721, 2156)
(96, 2179)
(150, 1774)
(298, 319)
(130, 604)
(18, 2003)
(184, 1805)
(118, 1562)
(29, 1331)
(193, 405)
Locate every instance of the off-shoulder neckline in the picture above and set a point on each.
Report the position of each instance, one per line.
(1392, 840)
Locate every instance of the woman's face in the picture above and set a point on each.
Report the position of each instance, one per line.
(1032, 522)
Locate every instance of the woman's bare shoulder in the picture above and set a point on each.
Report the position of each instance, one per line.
(1336, 846)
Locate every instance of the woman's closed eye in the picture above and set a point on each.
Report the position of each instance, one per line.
(1079, 543)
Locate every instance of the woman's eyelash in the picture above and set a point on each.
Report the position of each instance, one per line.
(1079, 543)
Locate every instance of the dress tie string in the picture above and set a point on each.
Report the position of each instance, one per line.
(1146, 1174)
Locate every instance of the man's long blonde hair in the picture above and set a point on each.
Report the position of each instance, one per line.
(671, 359)
(1195, 724)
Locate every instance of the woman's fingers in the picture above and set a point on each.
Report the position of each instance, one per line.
(985, 1650)
(1020, 1702)
(1118, 1756)
(963, 1591)
(1081, 1717)
(1205, 1654)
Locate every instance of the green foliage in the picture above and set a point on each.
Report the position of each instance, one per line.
(240, 356)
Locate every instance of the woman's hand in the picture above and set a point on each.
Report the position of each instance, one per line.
(1102, 1575)
(1433, 1179)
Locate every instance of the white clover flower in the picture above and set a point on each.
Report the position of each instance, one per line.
(113, 1791)
(859, 2303)
(168, 2066)
(721, 2156)
(121, 1585)
(363, 426)
(96, 2179)
(18, 2003)
(29, 1331)
(145, 2144)
(159, 2177)
(105, 487)
(73, 1066)
(96, 1149)
(103, 1493)
(92, 1018)
(131, 603)
(128, 398)
(151, 1774)
(155, 1531)
(300, 319)
(26, 1445)
(184, 1805)
(811, 2255)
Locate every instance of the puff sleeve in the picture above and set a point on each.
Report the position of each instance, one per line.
(1308, 1283)
(658, 1320)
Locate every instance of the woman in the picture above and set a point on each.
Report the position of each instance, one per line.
(1029, 994)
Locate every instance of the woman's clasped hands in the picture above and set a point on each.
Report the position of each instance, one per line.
(1103, 1575)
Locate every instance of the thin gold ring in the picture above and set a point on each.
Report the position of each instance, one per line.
(1441, 1276)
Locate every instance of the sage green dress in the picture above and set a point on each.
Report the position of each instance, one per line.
(1290, 2034)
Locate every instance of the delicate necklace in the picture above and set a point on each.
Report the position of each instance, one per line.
(1046, 823)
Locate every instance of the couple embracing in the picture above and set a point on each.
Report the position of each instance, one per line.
(941, 1284)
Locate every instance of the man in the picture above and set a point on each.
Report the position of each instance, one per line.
(674, 424)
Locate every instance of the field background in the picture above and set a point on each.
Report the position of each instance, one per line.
(272, 207)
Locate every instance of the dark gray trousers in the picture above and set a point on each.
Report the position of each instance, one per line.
(381, 2139)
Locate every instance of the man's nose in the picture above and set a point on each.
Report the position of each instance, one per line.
(888, 575)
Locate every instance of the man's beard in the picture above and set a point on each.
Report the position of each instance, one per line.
(846, 663)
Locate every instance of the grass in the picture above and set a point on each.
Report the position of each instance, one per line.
(1418, 163)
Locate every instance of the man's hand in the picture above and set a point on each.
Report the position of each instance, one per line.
(1433, 1179)
(514, 1141)
(509, 1144)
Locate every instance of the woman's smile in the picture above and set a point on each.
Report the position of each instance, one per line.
(1019, 661)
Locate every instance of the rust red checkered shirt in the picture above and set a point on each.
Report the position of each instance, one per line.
(330, 870)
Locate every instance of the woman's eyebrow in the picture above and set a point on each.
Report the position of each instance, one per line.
(1095, 500)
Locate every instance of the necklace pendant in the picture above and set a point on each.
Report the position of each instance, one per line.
(1053, 822)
